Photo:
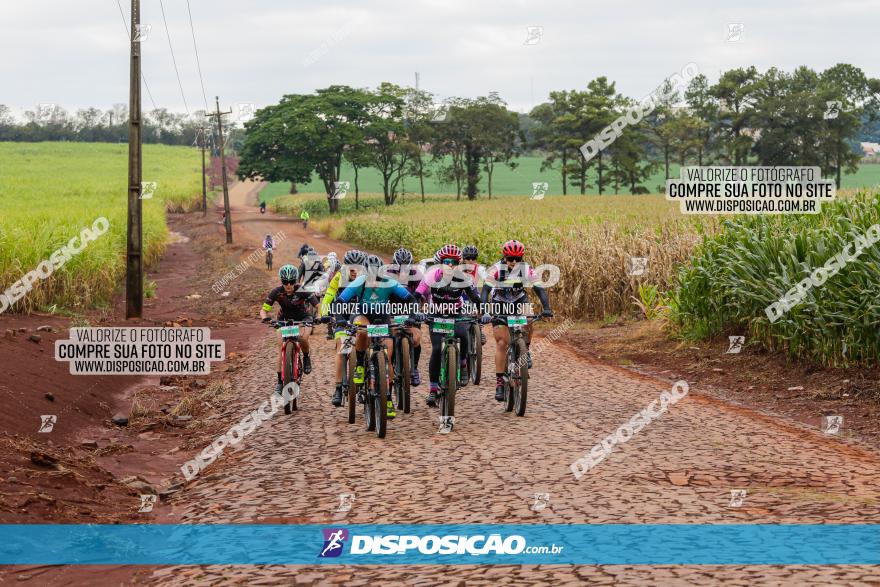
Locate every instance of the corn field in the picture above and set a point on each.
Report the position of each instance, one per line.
(755, 260)
(49, 192)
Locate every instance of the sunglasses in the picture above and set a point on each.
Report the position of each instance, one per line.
(513, 259)
(286, 282)
(470, 258)
(450, 261)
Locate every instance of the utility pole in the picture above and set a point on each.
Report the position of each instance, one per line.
(219, 115)
(417, 80)
(204, 132)
(134, 270)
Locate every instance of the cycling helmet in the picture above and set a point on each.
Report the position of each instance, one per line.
(402, 257)
(373, 262)
(288, 273)
(449, 251)
(355, 257)
(268, 236)
(470, 252)
(331, 256)
(513, 248)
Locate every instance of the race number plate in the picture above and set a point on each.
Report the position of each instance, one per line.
(516, 321)
(400, 319)
(443, 325)
(288, 331)
(377, 330)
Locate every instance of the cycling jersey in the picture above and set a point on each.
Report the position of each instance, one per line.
(294, 306)
(448, 290)
(268, 244)
(476, 271)
(370, 296)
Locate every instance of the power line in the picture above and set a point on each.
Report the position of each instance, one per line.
(198, 62)
(128, 34)
(173, 60)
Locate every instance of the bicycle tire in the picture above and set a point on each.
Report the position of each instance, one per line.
(447, 399)
(287, 375)
(350, 396)
(523, 387)
(475, 355)
(509, 381)
(369, 407)
(381, 396)
(403, 372)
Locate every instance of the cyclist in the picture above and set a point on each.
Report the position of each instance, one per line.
(445, 285)
(402, 263)
(311, 269)
(295, 304)
(268, 242)
(304, 216)
(469, 254)
(352, 261)
(372, 291)
(506, 283)
(262, 206)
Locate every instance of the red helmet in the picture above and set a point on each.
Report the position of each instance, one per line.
(448, 252)
(513, 248)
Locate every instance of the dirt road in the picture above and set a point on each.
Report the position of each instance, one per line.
(681, 468)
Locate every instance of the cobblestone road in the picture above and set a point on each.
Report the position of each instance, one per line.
(679, 469)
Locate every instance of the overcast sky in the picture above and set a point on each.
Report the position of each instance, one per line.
(75, 53)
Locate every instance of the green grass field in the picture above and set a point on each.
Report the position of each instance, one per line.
(49, 192)
(518, 182)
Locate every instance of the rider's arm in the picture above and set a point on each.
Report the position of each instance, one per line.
(329, 295)
(543, 297)
(267, 304)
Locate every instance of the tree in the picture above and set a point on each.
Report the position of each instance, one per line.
(736, 92)
(705, 108)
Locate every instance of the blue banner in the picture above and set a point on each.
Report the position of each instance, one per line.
(456, 544)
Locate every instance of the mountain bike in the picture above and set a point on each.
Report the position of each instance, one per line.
(449, 365)
(349, 388)
(291, 356)
(373, 393)
(269, 258)
(403, 359)
(516, 380)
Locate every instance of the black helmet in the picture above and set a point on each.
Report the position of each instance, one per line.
(305, 250)
(355, 257)
(373, 262)
(402, 256)
(470, 252)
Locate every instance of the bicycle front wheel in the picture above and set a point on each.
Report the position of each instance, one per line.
(475, 354)
(289, 375)
(380, 393)
(403, 372)
(348, 385)
(447, 398)
(522, 374)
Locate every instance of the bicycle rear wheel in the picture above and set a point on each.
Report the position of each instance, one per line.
(523, 376)
(380, 395)
(288, 375)
(402, 373)
(475, 354)
(510, 381)
(447, 397)
(348, 386)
